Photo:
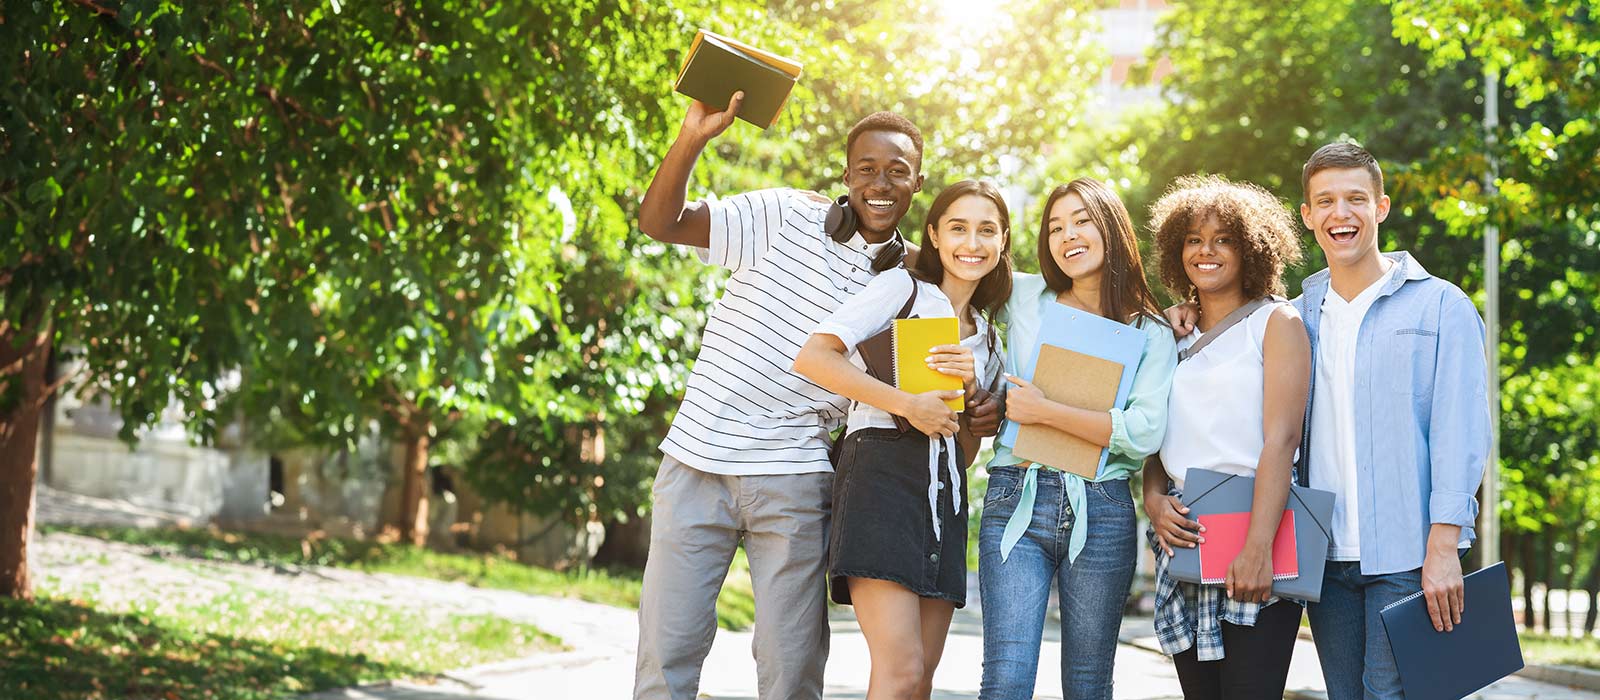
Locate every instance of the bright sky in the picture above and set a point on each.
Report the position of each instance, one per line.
(970, 14)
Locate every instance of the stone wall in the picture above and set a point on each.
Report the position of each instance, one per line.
(352, 493)
(163, 470)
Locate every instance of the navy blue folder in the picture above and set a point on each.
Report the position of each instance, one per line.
(1482, 649)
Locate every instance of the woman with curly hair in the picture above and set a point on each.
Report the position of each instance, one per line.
(1236, 407)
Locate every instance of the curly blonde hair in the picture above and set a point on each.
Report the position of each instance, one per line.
(1270, 241)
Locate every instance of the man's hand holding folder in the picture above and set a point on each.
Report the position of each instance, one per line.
(1442, 584)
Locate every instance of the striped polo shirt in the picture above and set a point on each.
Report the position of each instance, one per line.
(745, 410)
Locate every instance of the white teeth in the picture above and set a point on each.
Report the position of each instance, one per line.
(1208, 266)
(969, 259)
(1075, 252)
(880, 202)
(1338, 230)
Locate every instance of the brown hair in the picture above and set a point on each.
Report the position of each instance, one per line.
(995, 288)
(1124, 294)
(1266, 232)
(1340, 156)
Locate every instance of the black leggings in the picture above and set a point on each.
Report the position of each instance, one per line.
(1256, 664)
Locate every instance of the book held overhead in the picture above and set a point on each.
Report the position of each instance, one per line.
(716, 66)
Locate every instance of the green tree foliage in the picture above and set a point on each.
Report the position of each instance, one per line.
(1256, 87)
(1546, 203)
(1547, 156)
(144, 215)
(983, 82)
(632, 308)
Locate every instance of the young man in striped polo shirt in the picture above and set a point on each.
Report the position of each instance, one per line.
(747, 455)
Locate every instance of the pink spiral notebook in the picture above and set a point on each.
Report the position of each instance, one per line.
(1225, 535)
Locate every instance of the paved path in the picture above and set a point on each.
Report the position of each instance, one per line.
(604, 668)
(601, 638)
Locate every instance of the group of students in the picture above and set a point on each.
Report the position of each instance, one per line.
(1396, 425)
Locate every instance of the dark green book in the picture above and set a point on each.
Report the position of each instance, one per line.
(717, 66)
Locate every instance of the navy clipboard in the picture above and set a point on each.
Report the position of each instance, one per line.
(1482, 649)
(1206, 492)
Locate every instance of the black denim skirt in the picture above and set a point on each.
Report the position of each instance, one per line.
(883, 527)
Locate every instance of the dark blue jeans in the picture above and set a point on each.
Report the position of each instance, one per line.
(1093, 588)
(1357, 663)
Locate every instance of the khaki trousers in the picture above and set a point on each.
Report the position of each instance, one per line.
(698, 521)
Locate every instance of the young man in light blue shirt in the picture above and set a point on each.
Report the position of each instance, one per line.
(1398, 427)
(1399, 424)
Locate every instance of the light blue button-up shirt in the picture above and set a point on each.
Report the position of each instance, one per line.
(1421, 409)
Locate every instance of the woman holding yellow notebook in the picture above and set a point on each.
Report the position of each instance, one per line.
(897, 548)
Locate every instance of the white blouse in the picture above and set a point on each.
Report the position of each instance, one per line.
(1214, 412)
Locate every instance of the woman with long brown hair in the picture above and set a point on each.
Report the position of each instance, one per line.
(897, 550)
(1041, 524)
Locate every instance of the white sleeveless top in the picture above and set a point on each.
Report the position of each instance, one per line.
(1214, 411)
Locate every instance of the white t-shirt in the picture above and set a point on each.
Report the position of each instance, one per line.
(870, 313)
(1333, 415)
(745, 410)
(1214, 412)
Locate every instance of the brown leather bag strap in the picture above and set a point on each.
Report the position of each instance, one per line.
(905, 311)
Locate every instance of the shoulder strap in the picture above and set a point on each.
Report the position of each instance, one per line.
(905, 311)
(1227, 322)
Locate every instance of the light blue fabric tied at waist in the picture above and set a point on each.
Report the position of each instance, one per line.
(942, 447)
(1022, 517)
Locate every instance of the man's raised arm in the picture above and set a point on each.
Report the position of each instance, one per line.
(664, 215)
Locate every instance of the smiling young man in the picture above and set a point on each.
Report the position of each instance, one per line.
(1398, 429)
(746, 458)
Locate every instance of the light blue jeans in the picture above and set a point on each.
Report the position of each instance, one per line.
(1093, 589)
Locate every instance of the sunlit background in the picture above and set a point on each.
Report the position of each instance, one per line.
(298, 292)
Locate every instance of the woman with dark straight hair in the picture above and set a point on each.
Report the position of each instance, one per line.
(1041, 524)
(897, 550)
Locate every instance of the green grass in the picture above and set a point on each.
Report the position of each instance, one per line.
(237, 644)
(619, 587)
(1550, 650)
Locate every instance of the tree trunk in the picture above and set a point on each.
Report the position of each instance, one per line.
(414, 495)
(1591, 584)
(28, 351)
(1525, 554)
(1569, 583)
(1549, 575)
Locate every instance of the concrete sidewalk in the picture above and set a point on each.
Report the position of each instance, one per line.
(601, 666)
(1305, 673)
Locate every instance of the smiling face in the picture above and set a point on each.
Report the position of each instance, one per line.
(971, 237)
(884, 171)
(1343, 209)
(1076, 244)
(1212, 259)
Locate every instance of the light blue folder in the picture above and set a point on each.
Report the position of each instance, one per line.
(1091, 334)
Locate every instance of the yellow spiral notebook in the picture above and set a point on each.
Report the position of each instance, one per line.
(912, 338)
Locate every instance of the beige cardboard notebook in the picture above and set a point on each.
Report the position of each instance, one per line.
(1075, 379)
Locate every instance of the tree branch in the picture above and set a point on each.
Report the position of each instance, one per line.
(90, 4)
(208, 63)
(51, 389)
